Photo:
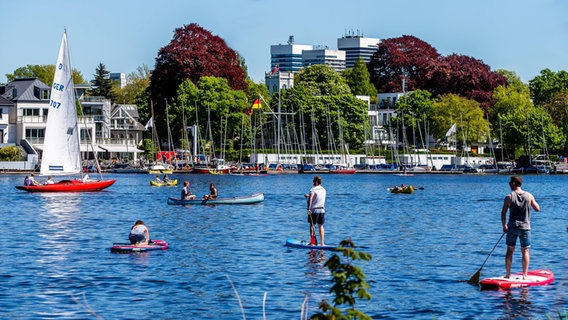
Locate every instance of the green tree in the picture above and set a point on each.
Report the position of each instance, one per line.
(321, 80)
(44, 73)
(101, 86)
(544, 86)
(213, 106)
(10, 153)
(557, 107)
(359, 80)
(136, 91)
(522, 123)
(417, 108)
(349, 284)
(468, 116)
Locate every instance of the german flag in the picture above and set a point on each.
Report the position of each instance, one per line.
(256, 104)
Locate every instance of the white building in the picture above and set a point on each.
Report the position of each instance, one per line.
(357, 46)
(335, 59)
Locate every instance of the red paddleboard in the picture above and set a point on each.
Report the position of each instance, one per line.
(534, 278)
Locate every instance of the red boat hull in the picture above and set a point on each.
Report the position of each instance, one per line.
(343, 171)
(70, 186)
(535, 278)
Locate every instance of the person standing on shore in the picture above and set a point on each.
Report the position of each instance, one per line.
(518, 202)
(316, 208)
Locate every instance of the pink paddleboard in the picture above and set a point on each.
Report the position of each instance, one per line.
(534, 278)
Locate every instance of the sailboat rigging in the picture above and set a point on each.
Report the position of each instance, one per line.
(61, 148)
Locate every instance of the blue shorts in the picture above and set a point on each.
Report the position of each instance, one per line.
(523, 235)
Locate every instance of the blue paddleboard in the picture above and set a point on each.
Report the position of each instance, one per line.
(306, 245)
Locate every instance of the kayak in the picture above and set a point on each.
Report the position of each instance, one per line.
(255, 198)
(129, 248)
(408, 189)
(535, 278)
(306, 245)
(161, 184)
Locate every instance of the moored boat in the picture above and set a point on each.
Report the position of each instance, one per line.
(251, 199)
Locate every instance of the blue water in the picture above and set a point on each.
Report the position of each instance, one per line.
(56, 261)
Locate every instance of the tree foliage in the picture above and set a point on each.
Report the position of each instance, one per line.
(465, 113)
(398, 58)
(321, 80)
(421, 67)
(557, 107)
(547, 84)
(44, 73)
(10, 153)
(212, 105)
(348, 284)
(101, 85)
(359, 80)
(193, 53)
(135, 91)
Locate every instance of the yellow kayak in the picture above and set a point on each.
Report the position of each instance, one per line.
(408, 189)
(162, 184)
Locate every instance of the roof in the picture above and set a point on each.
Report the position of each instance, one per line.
(5, 102)
(25, 89)
(130, 109)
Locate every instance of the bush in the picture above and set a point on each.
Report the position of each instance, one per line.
(10, 154)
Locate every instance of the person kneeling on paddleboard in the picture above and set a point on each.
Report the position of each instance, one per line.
(316, 209)
(139, 233)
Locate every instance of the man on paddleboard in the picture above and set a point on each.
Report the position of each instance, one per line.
(518, 202)
(316, 208)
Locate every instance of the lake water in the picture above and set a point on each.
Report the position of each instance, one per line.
(56, 261)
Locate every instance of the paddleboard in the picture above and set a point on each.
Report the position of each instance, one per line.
(306, 245)
(129, 248)
(534, 278)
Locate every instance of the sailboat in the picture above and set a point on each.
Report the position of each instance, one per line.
(61, 148)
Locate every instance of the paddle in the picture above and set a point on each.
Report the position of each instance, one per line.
(475, 278)
(313, 239)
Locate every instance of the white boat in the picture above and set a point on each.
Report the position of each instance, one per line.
(61, 152)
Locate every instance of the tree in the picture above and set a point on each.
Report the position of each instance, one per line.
(544, 86)
(44, 73)
(101, 86)
(417, 108)
(557, 107)
(321, 80)
(194, 53)
(135, 91)
(465, 76)
(398, 58)
(212, 104)
(349, 284)
(359, 80)
(466, 113)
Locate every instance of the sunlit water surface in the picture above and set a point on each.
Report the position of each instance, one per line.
(56, 261)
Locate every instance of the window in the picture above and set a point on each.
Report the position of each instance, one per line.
(31, 112)
(1, 112)
(35, 135)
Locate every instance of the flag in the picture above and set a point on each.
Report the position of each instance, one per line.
(148, 124)
(256, 104)
(275, 69)
(452, 130)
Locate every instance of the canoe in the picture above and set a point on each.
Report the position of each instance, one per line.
(255, 198)
(76, 185)
(535, 278)
(129, 248)
(409, 189)
(303, 244)
(170, 183)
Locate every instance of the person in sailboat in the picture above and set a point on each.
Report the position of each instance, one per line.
(212, 193)
(316, 208)
(186, 192)
(139, 234)
(49, 180)
(32, 180)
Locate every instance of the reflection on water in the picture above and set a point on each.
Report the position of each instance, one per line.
(517, 303)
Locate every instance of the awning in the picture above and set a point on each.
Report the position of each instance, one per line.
(108, 148)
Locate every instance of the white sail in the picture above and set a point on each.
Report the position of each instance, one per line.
(61, 153)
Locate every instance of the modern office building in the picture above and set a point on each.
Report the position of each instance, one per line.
(357, 46)
(287, 57)
(332, 58)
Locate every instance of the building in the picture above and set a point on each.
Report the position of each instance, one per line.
(357, 46)
(332, 58)
(288, 57)
(24, 105)
(118, 77)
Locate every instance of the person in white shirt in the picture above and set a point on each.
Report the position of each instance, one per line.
(316, 208)
(139, 233)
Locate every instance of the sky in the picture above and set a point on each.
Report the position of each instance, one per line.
(523, 36)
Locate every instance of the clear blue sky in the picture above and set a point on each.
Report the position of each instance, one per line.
(519, 35)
